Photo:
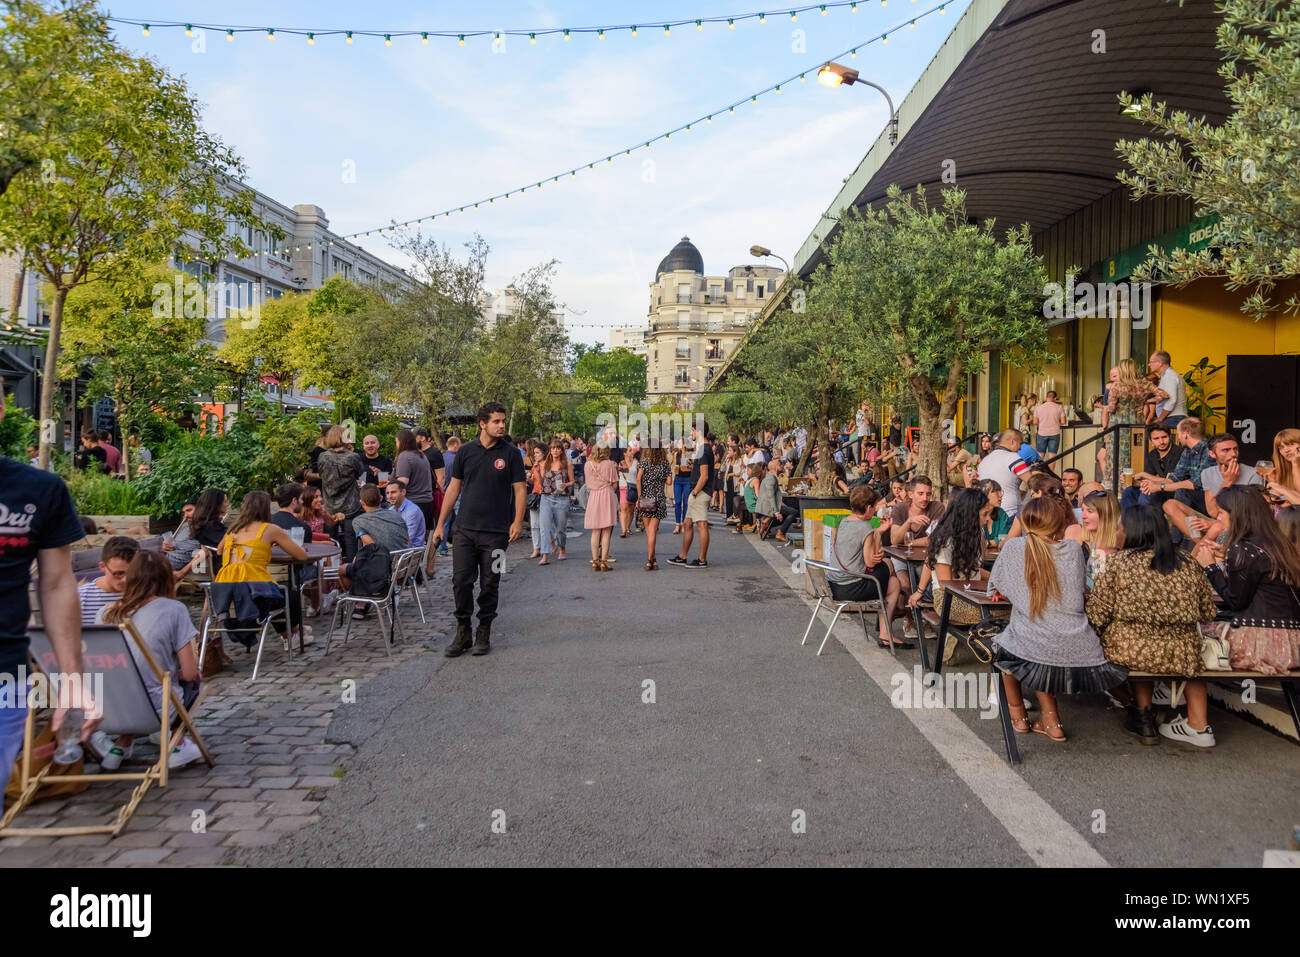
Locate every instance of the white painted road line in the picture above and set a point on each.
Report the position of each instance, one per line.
(1043, 834)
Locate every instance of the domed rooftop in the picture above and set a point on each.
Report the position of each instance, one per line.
(682, 256)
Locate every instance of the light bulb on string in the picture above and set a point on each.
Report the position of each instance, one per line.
(461, 38)
(667, 32)
(566, 34)
(230, 36)
(311, 39)
(349, 35)
(634, 30)
(424, 39)
(532, 38)
(699, 25)
(388, 40)
(145, 32)
(731, 23)
(762, 18)
(189, 29)
(793, 15)
(600, 34)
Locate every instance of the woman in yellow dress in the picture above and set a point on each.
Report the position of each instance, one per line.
(244, 581)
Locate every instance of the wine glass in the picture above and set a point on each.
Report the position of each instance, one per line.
(1265, 470)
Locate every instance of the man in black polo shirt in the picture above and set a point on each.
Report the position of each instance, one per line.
(487, 476)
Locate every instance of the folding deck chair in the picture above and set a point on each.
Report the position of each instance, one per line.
(115, 652)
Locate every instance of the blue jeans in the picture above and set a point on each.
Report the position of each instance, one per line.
(681, 491)
(555, 515)
(13, 717)
(1047, 444)
(1133, 495)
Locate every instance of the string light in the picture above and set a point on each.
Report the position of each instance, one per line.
(462, 35)
(666, 136)
(311, 39)
(230, 36)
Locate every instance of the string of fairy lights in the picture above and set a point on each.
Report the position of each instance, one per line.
(463, 35)
(640, 146)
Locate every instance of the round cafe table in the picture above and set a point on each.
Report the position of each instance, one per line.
(317, 552)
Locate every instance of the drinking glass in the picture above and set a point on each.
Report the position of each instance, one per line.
(1265, 470)
(299, 535)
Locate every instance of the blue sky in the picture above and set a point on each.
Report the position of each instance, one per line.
(428, 127)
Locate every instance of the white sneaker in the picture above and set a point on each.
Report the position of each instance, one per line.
(1160, 695)
(1180, 730)
(111, 755)
(187, 752)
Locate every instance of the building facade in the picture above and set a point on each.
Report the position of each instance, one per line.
(696, 320)
(631, 338)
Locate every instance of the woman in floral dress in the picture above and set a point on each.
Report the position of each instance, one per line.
(1128, 392)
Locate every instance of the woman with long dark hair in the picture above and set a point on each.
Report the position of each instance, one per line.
(955, 551)
(1146, 605)
(651, 483)
(556, 484)
(681, 461)
(1048, 647)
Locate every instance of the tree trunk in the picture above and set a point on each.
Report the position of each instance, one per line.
(932, 455)
(825, 460)
(16, 298)
(510, 426)
(50, 376)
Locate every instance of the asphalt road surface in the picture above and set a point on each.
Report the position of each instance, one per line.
(748, 749)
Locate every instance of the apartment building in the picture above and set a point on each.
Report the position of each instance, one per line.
(631, 338)
(696, 320)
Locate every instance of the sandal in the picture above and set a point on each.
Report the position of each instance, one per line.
(1019, 719)
(649, 566)
(654, 565)
(545, 560)
(1043, 728)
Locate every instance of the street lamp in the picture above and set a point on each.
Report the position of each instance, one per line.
(764, 251)
(836, 74)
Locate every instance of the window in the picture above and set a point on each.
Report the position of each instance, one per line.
(683, 320)
(342, 268)
(760, 292)
(714, 349)
(715, 292)
(738, 319)
(656, 382)
(715, 322)
(683, 348)
(683, 377)
(683, 292)
(272, 293)
(740, 292)
(709, 374)
(749, 285)
(368, 278)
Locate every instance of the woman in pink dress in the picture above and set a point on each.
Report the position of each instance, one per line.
(602, 504)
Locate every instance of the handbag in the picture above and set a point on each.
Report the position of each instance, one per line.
(1215, 651)
(648, 505)
(981, 637)
(534, 501)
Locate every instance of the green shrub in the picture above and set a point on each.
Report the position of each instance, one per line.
(17, 431)
(194, 462)
(95, 494)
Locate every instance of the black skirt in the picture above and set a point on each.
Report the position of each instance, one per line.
(1060, 679)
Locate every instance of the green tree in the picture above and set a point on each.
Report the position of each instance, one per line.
(39, 50)
(143, 350)
(261, 345)
(619, 370)
(1242, 170)
(919, 292)
(329, 343)
(515, 361)
(17, 431)
(132, 178)
(419, 340)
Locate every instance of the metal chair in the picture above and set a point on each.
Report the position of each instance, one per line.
(821, 588)
(412, 582)
(214, 623)
(401, 563)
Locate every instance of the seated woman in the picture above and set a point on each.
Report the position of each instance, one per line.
(244, 580)
(997, 523)
(1146, 604)
(955, 552)
(1257, 575)
(1099, 531)
(1048, 647)
(857, 550)
(165, 625)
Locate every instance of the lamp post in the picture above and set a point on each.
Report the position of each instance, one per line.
(836, 74)
(764, 252)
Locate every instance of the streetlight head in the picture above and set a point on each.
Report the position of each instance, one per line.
(835, 74)
(759, 251)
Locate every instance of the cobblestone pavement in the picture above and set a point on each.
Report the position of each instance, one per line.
(273, 762)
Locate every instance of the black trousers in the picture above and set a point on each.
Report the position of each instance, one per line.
(473, 557)
(786, 518)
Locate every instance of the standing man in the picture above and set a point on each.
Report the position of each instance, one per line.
(488, 473)
(452, 444)
(437, 464)
(1049, 418)
(373, 461)
(1006, 467)
(112, 453)
(697, 505)
(37, 521)
(1172, 410)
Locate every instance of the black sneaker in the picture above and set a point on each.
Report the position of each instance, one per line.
(696, 563)
(461, 644)
(1141, 723)
(677, 560)
(481, 644)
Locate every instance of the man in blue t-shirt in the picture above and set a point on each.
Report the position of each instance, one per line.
(37, 522)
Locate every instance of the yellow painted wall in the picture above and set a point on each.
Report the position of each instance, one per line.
(1205, 319)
